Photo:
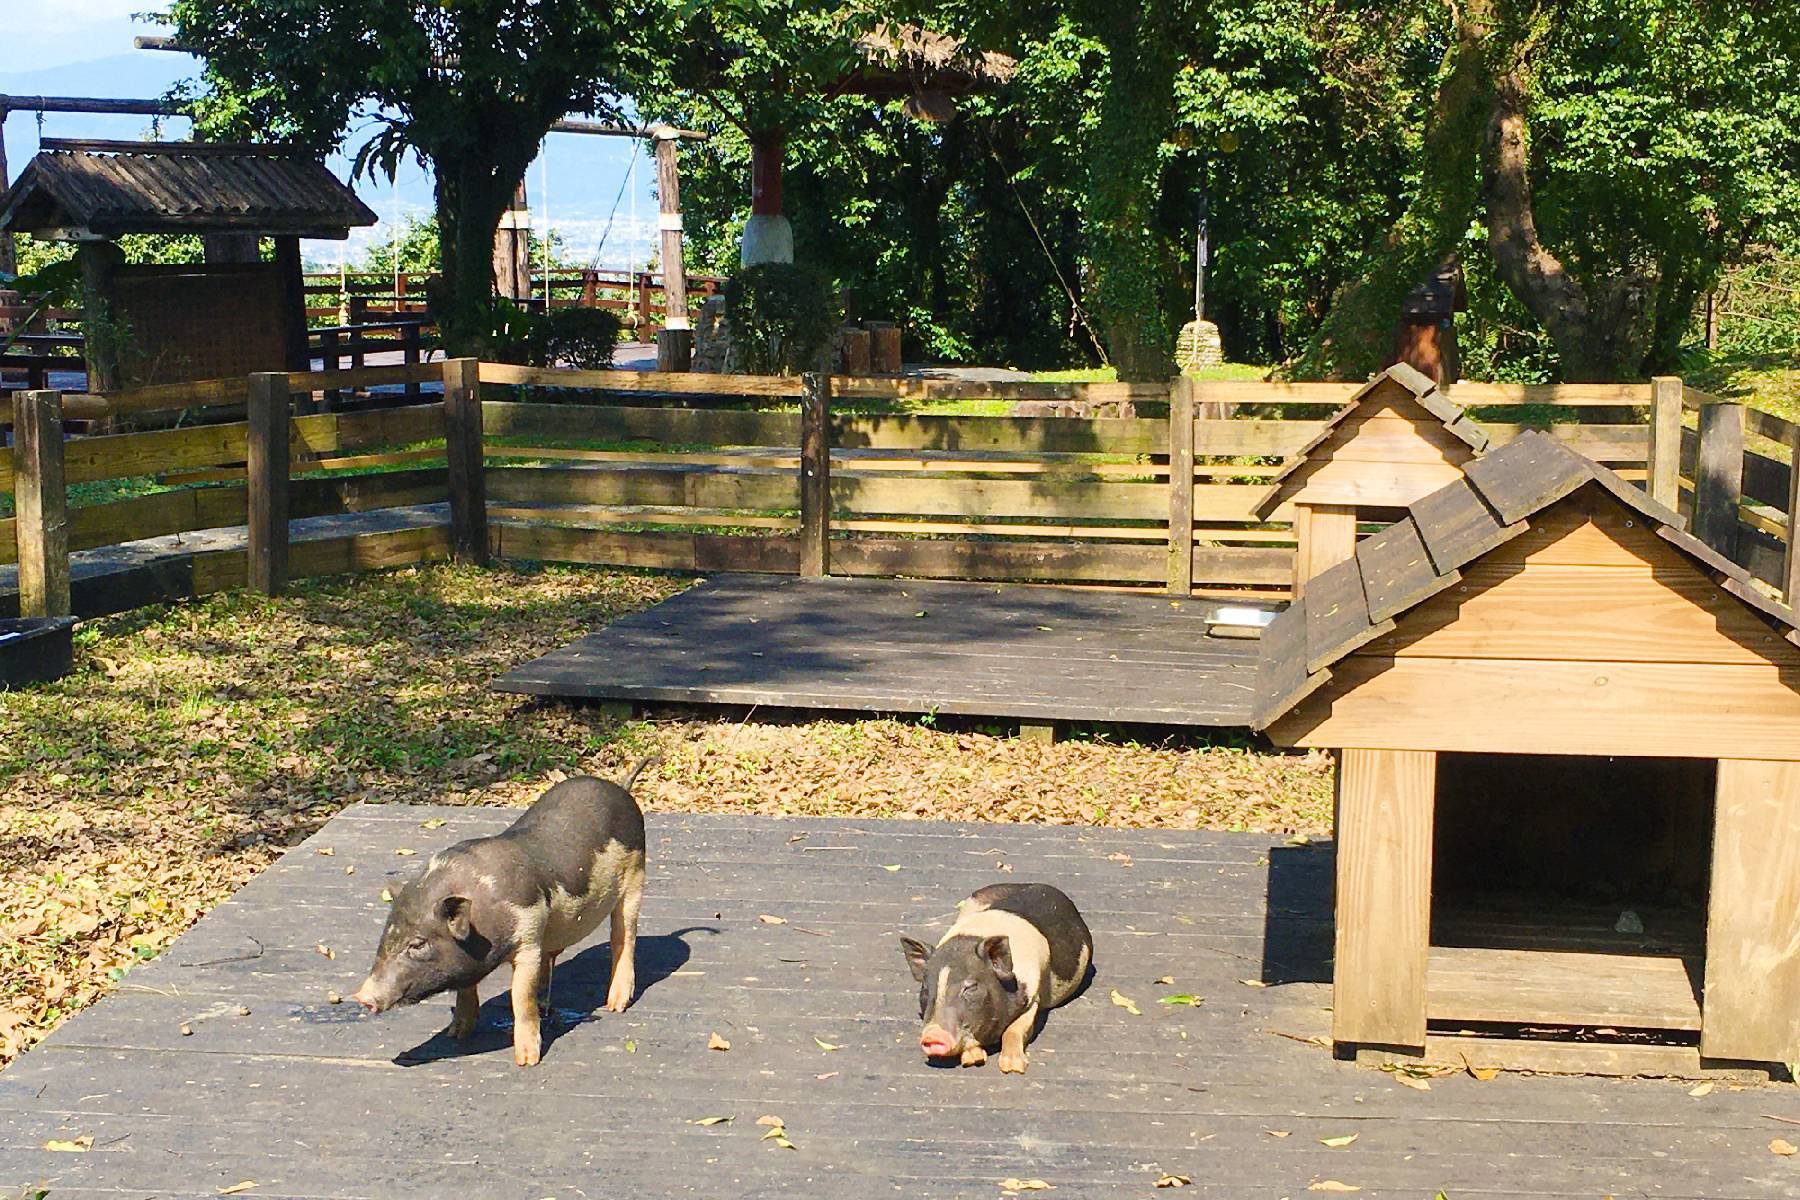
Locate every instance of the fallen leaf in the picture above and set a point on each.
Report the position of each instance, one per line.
(715, 1042)
(1412, 1081)
(1024, 1185)
(327, 851)
(1331, 1185)
(1253, 983)
(80, 1145)
(771, 1120)
(235, 1188)
(333, 998)
(1183, 998)
(826, 1075)
(1482, 1073)
(1166, 981)
(187, 1030)
(434, 823)
(1120, 857)
(1704, 1089)
(710, 1120)
(766, 919)
(1172, 1181)
(405, 852)
(327, 951)
(350, 870)
(780, 1138)
(1341, 1140)
(1125, 1002)
(630, 1046)
(890, 867)
(1783, 1147)
(387, 897)
(242, 1011)
(1278, 1132)
(1299, 839)
(824, 1045)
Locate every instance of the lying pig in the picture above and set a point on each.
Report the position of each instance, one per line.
(522, 896)
(1015, 950)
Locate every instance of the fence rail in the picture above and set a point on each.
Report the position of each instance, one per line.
(705, 472)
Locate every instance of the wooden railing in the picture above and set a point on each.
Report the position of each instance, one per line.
(769, 473)
(636, 295)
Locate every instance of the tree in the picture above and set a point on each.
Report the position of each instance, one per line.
(470, 88)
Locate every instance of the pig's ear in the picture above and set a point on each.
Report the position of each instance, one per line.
(455, 913)
(916, 953)
(998, 952)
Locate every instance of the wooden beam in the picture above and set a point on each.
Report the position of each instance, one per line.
(675, 341)
(1719, 476)
(1752, 1002)
(267, 460)
(91, 104)
(463, 451)
(40, 500)
(815, 475)
(1324, 536)
(1181, 487)
(1790, 564)
(1385, 804)
(1665, 441)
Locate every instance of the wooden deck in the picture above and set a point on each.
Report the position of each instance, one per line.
(907, 646)
(276, 1088)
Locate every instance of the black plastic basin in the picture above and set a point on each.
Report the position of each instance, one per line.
(35, 649)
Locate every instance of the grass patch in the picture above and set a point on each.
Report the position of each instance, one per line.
(195, 742)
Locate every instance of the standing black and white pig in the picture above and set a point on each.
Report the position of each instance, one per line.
(522, 896)
(1015, 950)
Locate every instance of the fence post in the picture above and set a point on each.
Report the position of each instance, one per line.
(1181, 486)
(815, 474)
(1719, 476)
(1790, 564)
(42, 504)
(409, 354)
(267, 486)
(462, 447)
(328, 361)
(1664, 482)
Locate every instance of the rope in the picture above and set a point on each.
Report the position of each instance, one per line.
(624, 182)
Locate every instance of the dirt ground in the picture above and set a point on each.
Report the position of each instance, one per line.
(195, 742)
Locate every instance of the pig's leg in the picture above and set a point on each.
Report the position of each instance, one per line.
(528, 972)
(468, 1011)
(974, 1056)
(1012, 1042)
(624, 942)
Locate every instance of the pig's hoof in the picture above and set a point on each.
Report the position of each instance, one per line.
(526, 1054)
(1012, 1064)
(974, 1056)
(460, 1029)
(618, 1000)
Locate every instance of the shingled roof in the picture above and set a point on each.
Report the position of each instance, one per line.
(104, 189)
(1353, 603)
(1423, 391)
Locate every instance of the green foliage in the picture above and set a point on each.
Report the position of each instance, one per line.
(413, 248)
(782, 317)
(584, 338)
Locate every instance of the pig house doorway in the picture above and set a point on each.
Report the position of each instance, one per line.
(1593, 855)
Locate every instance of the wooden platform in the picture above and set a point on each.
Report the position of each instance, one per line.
(279, 1091)
(906, 646)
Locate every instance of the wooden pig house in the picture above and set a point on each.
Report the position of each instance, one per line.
(1568, 746)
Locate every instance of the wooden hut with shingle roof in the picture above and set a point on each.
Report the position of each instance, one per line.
(1568, 811)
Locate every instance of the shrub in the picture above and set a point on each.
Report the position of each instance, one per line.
(782, 317)
(581, 337)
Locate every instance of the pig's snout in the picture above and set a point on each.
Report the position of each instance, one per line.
(369, 997)
(937, 1042)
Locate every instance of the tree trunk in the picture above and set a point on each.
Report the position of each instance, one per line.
(470, 201)
(1356, 333)
(1132, 262)
(1601, 329)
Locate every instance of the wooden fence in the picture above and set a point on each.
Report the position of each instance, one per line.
(815, 475)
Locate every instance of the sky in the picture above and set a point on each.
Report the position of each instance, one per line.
(83, 48)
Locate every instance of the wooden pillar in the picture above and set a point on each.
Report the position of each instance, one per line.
(1181, 486)
(675, 344)
(1385, 801)
(293, 303)
(1719, 476)
(40, 502)
(1664, 482)
(1790, 566)
(410, 354)
(1324, 536)
(9, 260)
(815, 474)
(1752, 1002)
(512, 249)
(267, 485)
(99, 261)
(462, 446)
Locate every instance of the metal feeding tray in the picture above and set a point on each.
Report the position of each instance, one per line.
(1237, 620)
(35, 649)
